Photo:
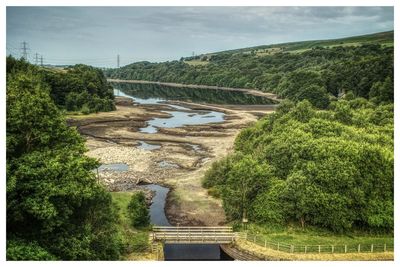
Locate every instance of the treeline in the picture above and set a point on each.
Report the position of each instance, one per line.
(76, 88)
(56, 209)
(211, 96)
(318, 75)
(331, 169)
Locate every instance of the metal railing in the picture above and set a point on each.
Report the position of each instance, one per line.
(193, 234)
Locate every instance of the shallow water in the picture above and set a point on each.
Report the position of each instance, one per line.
(184, 115)
(157, 212)
(195, 148)
(120, 167)
(146, 146)
(167, 165)
(181, 118)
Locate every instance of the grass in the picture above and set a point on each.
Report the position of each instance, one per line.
(314, 244)
(271, 254)
(383, 38)
(196, 62)
(297, 236)
(136, 241)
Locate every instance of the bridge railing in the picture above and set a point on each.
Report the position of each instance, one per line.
(193, 234)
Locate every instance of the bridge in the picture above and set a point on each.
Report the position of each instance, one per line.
(193, 234)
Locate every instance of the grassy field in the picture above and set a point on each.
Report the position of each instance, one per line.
(196, 62)
(274, 255)
(314, 236)
(311, 243)
(136, 240)
(383, 38)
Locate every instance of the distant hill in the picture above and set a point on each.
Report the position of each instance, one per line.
(315, 70)
(383, 38)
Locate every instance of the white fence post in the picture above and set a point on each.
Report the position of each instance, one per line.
(333, 248)
(359, 248)
(319, 248)
(372, 247)
(384, 247)
(345, 248)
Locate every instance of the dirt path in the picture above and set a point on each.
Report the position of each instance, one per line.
(180, 160)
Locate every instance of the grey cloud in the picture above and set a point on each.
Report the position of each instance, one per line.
(164, 33)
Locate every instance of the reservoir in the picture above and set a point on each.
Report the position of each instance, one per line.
(154, 94)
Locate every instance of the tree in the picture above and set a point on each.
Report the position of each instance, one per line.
(327, 168)
(383, 91)
(242, 184)
(317, 95)
(138, 211)
(55, 207)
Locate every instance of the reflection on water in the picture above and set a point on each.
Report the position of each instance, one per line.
(184, 116)
(181, 252)
(180, 118)
(157, 212)
(148, 93)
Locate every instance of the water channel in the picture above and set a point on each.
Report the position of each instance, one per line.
(146, 94)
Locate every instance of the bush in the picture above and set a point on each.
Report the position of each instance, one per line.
(19, 250)
(85, 109)
(138, 211)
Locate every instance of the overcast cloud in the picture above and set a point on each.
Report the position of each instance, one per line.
(95, 35)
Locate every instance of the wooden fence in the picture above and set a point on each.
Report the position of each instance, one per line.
(358, 248)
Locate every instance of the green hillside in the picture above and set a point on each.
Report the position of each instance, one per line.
(318, 71)
(383, 38)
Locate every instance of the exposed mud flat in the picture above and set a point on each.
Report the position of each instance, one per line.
(179, 160)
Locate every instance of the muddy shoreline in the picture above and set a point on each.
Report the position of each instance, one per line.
(181, 157)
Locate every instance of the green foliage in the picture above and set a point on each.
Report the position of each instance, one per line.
(331, 169)
(317, 74)
(383, 91)
(75, 88)
(53, 199)
(133, 239)
(18, 250)
(138, 211)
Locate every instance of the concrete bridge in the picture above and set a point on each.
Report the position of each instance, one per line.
(222, 235)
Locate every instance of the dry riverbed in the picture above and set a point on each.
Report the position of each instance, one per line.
(178, 159)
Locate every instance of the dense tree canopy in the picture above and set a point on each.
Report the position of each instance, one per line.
(76, 88)
(332, 168)
(55, 207)
(316, 74)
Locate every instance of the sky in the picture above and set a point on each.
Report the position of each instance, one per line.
(96, 35)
